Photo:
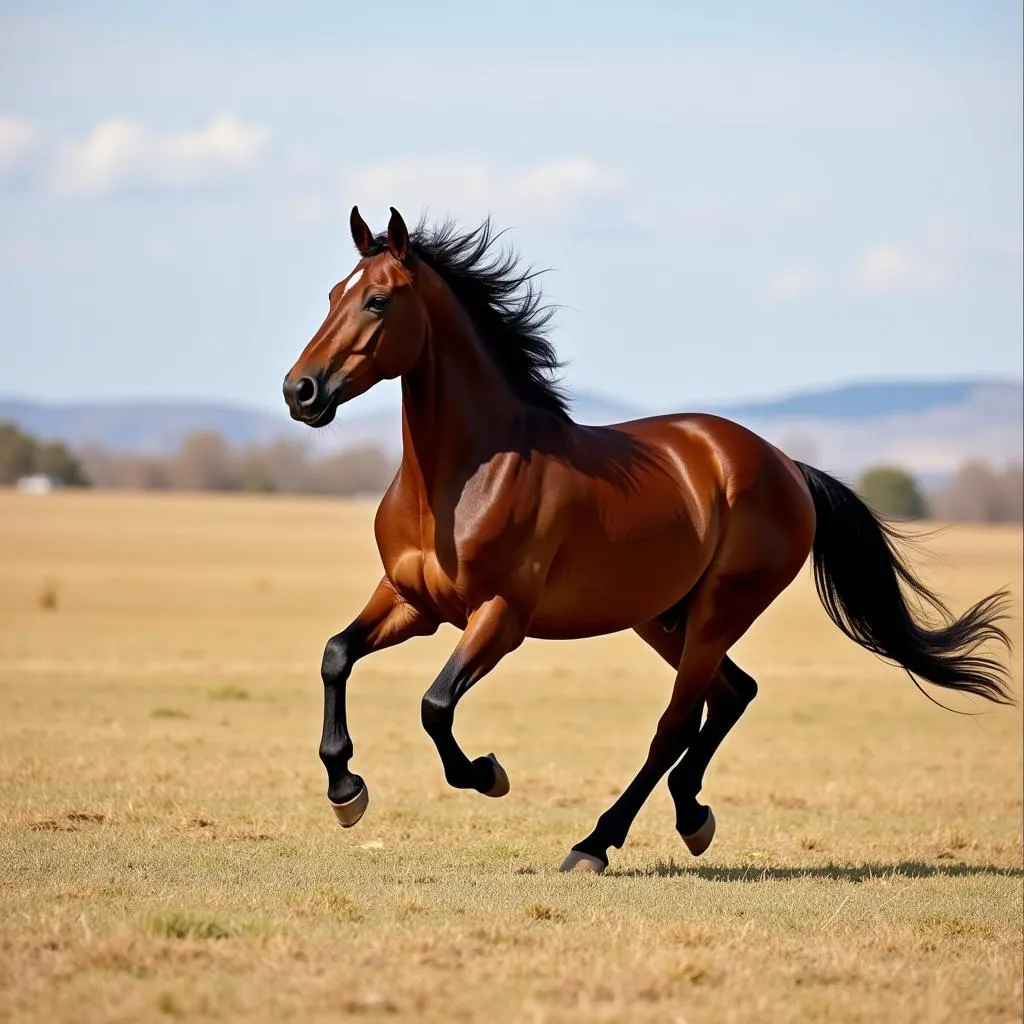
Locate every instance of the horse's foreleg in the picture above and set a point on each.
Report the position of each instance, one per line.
(492, 632)
(386, 620)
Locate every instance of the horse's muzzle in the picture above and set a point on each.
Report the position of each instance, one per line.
(309, 401)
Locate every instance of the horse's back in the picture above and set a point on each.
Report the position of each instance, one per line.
(644, 508)
(738, 458)
(767, 519)
(764, 512)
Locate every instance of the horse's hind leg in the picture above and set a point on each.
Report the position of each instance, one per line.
(668, 642)
(696, 670)
(722, 607)
(708, 634)
(727, 699)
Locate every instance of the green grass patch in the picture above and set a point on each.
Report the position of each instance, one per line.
(168, 713)
(183, 924)
(229, 691)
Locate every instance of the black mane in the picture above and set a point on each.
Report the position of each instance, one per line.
(500, 297)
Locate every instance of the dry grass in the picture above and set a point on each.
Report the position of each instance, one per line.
(166, 849)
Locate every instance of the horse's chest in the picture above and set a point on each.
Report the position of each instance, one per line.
(448, 558)
(429, 581)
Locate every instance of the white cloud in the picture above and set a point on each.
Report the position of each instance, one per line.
(18, 141)
(797, 206)
(471, 188)
(122, 155)
(789, 283)
(894, 268)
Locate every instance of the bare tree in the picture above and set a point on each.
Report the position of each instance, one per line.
(359, 471)
(204, 463)
(979, 493)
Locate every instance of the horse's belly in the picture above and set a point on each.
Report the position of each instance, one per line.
(597, 587)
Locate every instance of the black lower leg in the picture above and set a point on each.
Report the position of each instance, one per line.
(340, 654)
(613, 826)
(437, 713)
(724, 710)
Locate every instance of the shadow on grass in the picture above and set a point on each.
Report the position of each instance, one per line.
(833, 872)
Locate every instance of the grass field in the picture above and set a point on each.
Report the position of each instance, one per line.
(167, 851)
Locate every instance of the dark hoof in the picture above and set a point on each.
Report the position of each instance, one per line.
(697, 842)
(501, 784)
(349, 813)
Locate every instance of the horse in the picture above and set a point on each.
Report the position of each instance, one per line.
(509, 520)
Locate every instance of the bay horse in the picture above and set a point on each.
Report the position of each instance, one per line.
(508, 520)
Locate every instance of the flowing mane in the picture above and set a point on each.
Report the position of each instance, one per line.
(503, 302)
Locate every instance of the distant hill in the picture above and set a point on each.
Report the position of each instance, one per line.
(158, 427)
(863, 401)
(930, 428)
(151, 427)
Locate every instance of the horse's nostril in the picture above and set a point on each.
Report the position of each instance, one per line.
(306, 391)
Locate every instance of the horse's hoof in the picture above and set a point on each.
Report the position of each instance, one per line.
(700, 840)
(583, 863)
(349, 813)
(501, 784)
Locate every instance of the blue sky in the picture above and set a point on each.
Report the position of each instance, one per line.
(736, 200)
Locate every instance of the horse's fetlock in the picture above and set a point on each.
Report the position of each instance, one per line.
(335, 751)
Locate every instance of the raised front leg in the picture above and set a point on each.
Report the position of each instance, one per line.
(386, 620)
(493, 630)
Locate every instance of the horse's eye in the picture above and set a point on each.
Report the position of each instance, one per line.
(377, 303)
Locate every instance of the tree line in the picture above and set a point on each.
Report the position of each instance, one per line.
(24, 455)
(205, 461)
(976, 493)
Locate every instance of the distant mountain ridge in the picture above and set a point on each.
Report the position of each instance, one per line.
(928, 427)
(862, 401)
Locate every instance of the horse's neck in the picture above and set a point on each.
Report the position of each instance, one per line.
(455, 404)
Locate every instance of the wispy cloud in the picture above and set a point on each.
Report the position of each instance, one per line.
(19, 139)
(798, 206)
(894, 268)
(789, 283)
(121, 155)
(471, 187)
(928, 263)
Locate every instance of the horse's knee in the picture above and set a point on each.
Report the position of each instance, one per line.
(339, 654)
(435, 713)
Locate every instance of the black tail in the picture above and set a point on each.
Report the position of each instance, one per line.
(858, 572)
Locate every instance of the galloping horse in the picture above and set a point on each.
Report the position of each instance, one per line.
(509, 520)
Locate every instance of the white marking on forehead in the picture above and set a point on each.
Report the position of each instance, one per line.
(353, 280)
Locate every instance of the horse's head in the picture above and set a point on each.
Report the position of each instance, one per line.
(374, 329)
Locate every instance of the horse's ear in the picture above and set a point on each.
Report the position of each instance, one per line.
(398, 236)
(361, 234)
